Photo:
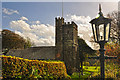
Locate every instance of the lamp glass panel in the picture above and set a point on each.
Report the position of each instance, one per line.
(107, 31)
(101, 32)
(95, 32)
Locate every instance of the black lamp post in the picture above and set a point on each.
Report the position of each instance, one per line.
(101, 33)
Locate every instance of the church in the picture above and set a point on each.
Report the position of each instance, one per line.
(65, 49)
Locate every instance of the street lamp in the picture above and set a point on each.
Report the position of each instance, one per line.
(101, 33)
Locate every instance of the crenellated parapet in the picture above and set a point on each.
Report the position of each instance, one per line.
(59, 20)
(73, 24)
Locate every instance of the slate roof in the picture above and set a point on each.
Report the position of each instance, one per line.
(45, 52)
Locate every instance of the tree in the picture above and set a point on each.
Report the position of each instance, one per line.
(28, 43)
(113, 49)
(10, 40)
(115, 26)
(84, 50)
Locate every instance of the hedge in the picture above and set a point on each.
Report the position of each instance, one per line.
(14, 67)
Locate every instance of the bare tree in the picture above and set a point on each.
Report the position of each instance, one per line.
(115, 26)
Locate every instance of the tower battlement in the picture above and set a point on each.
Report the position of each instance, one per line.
(70, 23)
(59, 18)
(59, 21)
(73, 24)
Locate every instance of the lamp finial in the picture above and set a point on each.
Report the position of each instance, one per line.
(100, 13)
(100, 7)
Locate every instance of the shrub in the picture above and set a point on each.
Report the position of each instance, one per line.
(86, 64)
(14, 67)
(118, 74)
(113, 49)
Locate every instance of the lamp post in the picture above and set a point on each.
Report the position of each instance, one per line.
(101, 33)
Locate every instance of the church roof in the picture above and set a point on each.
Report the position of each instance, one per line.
(84, 47)
(45, 52)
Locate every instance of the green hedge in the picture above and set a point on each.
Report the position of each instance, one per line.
(14, 67)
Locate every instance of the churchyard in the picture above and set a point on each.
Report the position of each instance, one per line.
(37, 51)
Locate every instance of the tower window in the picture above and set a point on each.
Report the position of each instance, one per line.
(67, 32)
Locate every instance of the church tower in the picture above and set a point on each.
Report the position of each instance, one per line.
(70, 46)
(59, 43)
(67, 44)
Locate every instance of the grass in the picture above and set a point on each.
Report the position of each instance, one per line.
(92, 68)
(94, 71)
(76, 75)
(87, 71)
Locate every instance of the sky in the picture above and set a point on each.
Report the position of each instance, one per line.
(36, 20)
(60, 0)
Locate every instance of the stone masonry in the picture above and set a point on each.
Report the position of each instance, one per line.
(67, 44)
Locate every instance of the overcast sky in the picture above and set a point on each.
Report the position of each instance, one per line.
(36, 19)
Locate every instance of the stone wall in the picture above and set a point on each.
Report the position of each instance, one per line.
(46, 52)
(58, 41)
(70, 45)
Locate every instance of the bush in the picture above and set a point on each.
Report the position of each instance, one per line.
(14, 67)
(86, 64)
(118, 74)
(113, 49)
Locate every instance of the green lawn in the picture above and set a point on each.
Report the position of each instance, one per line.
(94, 71)
(87, 71)
(92, 68)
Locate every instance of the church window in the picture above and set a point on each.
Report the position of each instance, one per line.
(68, 32)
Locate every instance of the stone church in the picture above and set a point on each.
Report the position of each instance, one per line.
(65, 49)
